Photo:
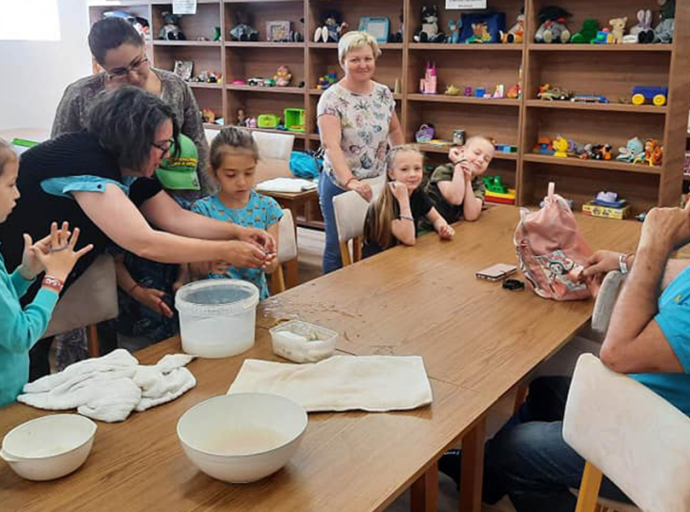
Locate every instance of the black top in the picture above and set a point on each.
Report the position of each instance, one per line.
(420, 205)
(72, 154)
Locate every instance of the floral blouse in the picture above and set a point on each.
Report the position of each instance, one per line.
(365, 121)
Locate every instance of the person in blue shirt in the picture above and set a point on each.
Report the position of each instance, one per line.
(233, 167)
(55, 254)
(648, 338)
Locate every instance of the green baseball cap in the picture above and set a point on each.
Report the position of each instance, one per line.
(179, 173)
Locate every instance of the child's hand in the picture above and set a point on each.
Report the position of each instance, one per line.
(399, 191)
(152, 299)
(271, 263)
(61, 258)
(31, 266)
(258, 237)
(445, 231)
(219, 267)
(456, 154)
(465, 170)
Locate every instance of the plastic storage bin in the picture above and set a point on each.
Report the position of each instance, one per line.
(303, 342)
(294, 119)
(217, 317)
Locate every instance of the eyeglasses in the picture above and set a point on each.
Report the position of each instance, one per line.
(120, 73)
(164, 146)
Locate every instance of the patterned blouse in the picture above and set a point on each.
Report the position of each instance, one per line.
(73, 110)
(365, 122)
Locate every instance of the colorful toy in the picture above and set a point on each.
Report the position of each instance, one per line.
(505, 148)
(516, 33)
(251, 122)
(425, 133)
(592, 209)
(208, 116)
(454, 28)
(499, 92)
(657, 95)
(268, 121)
(494, 184)
(514, 92)
(170, 31)
(283, 77)
(544, 146)
(552, 28)
(497, 192)
(332, 28)
(560, 146)
(243, 31)
(632, 150)
(241, 117)
(546, 92)
(597, 152)
(589, 98)
(428, 32)
(653, 153)
(480, 33)
(326, 81)
(468, 92)
(618, 29)
(294, 119)
(603, 37)
(451, 90)
(589, 30)
(643, 30)
(479, 92)
(428, 84)
(663, 32)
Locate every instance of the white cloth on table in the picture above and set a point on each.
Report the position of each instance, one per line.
(341, 383)
(285, 185)
(109, 388)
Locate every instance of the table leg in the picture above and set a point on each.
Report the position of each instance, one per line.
(424, 491)
(472, 469)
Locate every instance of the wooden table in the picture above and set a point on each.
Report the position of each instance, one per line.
(304, 206)
(477, 341)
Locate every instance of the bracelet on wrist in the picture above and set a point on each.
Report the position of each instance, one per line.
(131, 290)
(53, 283)
(406, 217)
(623, 263)
(352, 178)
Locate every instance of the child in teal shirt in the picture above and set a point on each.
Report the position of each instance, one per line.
(233, 166)
(21, 328)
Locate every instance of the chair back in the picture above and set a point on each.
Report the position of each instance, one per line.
(287, 239)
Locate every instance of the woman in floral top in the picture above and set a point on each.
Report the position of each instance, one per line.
(357, 122)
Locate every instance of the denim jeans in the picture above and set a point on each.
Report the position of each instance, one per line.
(331, 254)
(530, 462)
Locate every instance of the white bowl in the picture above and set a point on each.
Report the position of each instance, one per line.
(242, 437)
(49, 447)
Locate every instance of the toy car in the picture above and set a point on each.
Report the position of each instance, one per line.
(589, 98)
(657, 95)
(546, 92)
(255, 81)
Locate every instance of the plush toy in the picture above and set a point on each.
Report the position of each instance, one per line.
(171, 29)
(397, 37)
(589, 30)
(560, 145)
(618, 29)
(653, 153)
(643, 30)
(283, 77)
(480, 33)
(663, 32)
(454, 29)
(241, 117)
(552, 28)
(514, 92)
(632, 150)
(333, 27)
(516, 33)
(601, 152)
(243, 31)
(208, 116)
(429, 33)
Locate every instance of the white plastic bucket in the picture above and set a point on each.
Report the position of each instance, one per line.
(217, 317)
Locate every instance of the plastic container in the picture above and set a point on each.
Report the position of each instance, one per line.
(217, 317)
(303, 342)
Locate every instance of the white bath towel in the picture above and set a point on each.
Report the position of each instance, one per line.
(109, 388)
(341, 383)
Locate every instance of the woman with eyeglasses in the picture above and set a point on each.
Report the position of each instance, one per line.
(100, 181)
(119, 50)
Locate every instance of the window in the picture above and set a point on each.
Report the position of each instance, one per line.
(29, 20)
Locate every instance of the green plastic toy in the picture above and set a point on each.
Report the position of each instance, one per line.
(495, 184)
(589, 30)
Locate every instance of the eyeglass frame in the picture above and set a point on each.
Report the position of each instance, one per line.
(160, 147)
(128, 69)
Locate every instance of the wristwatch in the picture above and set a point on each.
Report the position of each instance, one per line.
(623, 263)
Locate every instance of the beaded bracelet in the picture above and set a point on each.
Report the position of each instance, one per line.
(53, 283)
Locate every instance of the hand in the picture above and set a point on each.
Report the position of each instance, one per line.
(61, 258)
(444, 230)
(456, 154)
(363, 189)
(271, 263)
(152, 299)
(462, 167)
(601, 262)
(31, 266)
(259, 237)
(245, 255)
(219, 267)
(399, 192)
(666, 228)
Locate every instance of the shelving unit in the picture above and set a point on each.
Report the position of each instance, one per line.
(610, 70)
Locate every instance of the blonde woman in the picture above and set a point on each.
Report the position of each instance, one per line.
(393, 218)
(357, 122)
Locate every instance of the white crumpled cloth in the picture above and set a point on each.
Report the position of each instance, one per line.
(109, 388)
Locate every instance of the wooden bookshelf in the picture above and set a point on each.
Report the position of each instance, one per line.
(610, 70)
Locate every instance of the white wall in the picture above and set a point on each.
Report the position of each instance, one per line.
(33, 74)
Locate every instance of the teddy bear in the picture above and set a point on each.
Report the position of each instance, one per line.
(283, 77)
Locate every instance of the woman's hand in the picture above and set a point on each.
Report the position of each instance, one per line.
(259, 237)
(61, 258)
(152, 299)
(363, 189)
(399, 192)
(31, 266)
(245, 255)
(601, 262)
(444, 230)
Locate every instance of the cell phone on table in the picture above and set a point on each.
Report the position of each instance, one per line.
(496, 272)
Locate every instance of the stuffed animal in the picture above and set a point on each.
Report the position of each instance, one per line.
(516, 32)
(560, 145)
(332, 28)
(208, 116)
(454, 29)
(243, 31)
(429, 33)
(552, 28)
(618, 29)
(171, 29)
(663, 32)
(653, 153)
(643, 30)
(480, 33)
(283, 77)
(589, 30)
(632, 150)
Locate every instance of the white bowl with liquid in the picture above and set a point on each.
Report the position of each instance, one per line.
(242, 437)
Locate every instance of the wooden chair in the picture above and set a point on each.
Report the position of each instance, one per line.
(287, 250)
(632, 435)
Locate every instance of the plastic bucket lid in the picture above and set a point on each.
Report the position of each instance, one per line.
(215, 297)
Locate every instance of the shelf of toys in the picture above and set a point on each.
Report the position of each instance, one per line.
(610, 87)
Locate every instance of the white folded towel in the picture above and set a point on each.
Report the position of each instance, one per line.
(341, 383)
(109, 388)
(286, 185)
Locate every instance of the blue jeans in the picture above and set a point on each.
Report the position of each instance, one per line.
(529, 461)
(331, 254)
